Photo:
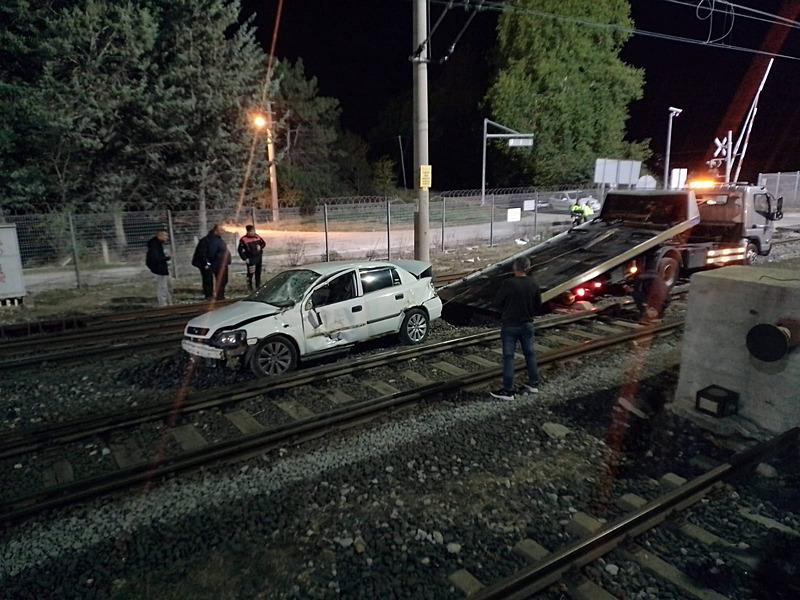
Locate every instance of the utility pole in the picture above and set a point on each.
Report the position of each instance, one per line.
(673, 112)
(273, 172)
(419, 61)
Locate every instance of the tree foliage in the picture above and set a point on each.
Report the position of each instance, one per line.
(139, 104)
(565, 82)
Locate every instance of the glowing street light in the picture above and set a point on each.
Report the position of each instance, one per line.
(259, 121)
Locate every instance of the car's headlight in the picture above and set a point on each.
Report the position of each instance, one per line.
(229, 339)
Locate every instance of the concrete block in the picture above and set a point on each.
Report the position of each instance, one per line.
(670, 481)
(583, 525)
(466, 582)
(630, 502)
(584, 589)
(724, 305)
(530, 550)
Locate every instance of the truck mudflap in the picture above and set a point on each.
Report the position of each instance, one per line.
(579, 255)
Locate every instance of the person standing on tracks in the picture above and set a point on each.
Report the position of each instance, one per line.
(251, 249)
(203, 264)
(518, 301)
(158, 263)
(651, 295)
(219, 258)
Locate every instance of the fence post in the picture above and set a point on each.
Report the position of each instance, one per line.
(253, 215)
(388, 229)
(74, 250)
(778, 185)
(172, 246)
(796, 200)
(444, 208)
(327, 248)
(536, 216)
(491, 225)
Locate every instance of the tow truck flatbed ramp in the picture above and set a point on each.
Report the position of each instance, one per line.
(627, 227)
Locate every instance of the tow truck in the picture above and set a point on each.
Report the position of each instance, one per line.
(671, 233)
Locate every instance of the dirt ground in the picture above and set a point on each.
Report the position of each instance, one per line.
(140, 294)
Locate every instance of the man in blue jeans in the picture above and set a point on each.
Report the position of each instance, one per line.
(518, 300)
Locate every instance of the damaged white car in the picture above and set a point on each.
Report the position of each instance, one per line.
(318, 309)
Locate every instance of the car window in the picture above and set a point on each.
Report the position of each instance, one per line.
(377, 279)
(340, 288)
(285, 288)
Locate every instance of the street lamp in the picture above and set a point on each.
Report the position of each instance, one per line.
(673, 112)
(264, 121)
(259, 121)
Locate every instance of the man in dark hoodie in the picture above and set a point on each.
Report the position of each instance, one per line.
(219, 258)
(157, 261)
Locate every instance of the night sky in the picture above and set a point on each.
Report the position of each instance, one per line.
(359, 51)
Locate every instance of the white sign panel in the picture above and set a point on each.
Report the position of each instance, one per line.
(678, 178)
(529, 205)
(617, 172)
(520, 142)
(514, 214)
(12, 285)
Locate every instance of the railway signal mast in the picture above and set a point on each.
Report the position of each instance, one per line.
(725, 151)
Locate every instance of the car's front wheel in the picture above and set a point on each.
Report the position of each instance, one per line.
(273, 356)
(415, 327)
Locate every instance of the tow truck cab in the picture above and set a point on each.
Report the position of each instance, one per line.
(736, 225)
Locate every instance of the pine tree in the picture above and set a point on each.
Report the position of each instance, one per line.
(565, 82)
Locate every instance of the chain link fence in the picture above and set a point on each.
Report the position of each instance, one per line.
(786, 184)
(62, 249)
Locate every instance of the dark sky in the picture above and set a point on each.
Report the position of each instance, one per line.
(359, 51)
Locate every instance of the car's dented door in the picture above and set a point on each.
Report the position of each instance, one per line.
(385, 299)
(339, 319)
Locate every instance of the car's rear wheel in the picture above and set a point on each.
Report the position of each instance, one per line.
(273, 356)
(415, 327)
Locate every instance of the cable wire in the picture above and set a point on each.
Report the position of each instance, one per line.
(773, 20)
(503, 6)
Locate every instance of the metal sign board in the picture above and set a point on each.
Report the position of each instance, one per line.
(520, 142)
(514, 215)
(425, 177)
(617, 172)
(678, 178)
(529, 205)
(12, 284)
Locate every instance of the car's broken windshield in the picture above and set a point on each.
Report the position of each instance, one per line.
(285, 289)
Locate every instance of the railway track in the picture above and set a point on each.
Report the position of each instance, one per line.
(567, 569)
(30, 344)
(49, 467)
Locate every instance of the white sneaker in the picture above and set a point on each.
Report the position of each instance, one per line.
(529, 389)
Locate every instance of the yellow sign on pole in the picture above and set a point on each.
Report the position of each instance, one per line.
(425, 177)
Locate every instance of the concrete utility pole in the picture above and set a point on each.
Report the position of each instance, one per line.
(273, 172)
(421, 218)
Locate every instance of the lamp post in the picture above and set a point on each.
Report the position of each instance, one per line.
(261, 121)
(673, 112)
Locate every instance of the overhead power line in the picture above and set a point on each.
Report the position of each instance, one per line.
(504, 6)
(758, 15)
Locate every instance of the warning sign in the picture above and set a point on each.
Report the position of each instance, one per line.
(424, 177)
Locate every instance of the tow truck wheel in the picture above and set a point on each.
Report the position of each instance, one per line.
(273, 356)
(750, 254)
(668, 271)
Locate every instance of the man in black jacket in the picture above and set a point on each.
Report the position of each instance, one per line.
(219, 258)
(200, 260)
(251, 248)
(518, 300)
(157, 261)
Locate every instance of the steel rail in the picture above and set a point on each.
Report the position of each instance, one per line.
(18, 443)
(311, 427)
(545, 573)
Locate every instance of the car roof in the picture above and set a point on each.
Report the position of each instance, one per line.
(334, 266)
